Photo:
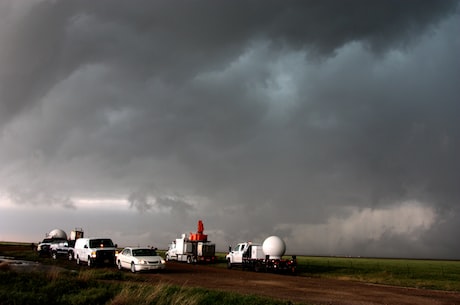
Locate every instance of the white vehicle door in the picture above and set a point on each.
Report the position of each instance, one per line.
(82, 253)
(126, 258)
(237, 254)
(172, 252)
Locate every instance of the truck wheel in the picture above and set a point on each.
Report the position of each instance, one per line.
(189, 259)
(119, 265)
(70, 256)
(167, 258)
(133, 268)
(90, 263)
(257, 267)
(78, 260)
(229, 264)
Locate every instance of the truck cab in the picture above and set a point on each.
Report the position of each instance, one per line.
(235, 256)
(60, 248)
(172, 251)
(244, 251)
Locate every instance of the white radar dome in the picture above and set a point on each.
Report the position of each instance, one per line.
(274, 246)
(57, 234)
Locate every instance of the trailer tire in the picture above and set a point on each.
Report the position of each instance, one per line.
(229, 264)
(257, 267)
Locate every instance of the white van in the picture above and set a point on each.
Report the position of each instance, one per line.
(95, 251)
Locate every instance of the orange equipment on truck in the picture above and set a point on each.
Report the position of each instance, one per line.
(192, 249)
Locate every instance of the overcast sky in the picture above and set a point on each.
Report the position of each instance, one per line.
(333, 124)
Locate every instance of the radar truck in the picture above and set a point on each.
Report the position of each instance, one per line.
(57, 244)
(261, 257)
(192, 249)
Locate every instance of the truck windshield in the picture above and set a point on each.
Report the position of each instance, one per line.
(144, 252)
(100, 243)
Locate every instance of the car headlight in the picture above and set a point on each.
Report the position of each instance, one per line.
(142, 262)
(163, 261)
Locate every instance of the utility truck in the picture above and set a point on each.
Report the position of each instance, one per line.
(66, 248)
(192, 249)
(57, 244)
(261, 257)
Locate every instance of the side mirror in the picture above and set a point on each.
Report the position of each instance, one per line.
(116, 246)
(86, 247)
(229, 249)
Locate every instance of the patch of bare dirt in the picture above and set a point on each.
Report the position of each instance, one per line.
(297, 288)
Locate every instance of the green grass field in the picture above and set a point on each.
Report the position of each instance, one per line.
(428, 274)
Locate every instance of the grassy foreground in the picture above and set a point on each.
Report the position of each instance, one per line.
(102, 287)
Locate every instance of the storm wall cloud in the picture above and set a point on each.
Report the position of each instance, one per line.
(313, 120)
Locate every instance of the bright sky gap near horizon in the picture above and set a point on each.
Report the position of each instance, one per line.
(332, 124)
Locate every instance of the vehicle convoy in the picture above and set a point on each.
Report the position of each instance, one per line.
(140, 259)
(192, 249)
(95, 251)
(261, 257)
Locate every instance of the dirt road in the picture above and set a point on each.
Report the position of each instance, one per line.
(296, 288)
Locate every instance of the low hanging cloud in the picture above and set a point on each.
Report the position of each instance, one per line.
(143, 202)
(357, 232)
(35, 195)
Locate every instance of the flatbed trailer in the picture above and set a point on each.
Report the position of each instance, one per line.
(251, 256)
(270, 265)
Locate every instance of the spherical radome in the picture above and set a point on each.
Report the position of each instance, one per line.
(57, 234)
(274, 246)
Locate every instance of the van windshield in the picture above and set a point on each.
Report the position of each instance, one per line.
(100, 243)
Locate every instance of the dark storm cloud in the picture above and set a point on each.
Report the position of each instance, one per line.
(291, 116)
(172, 40)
